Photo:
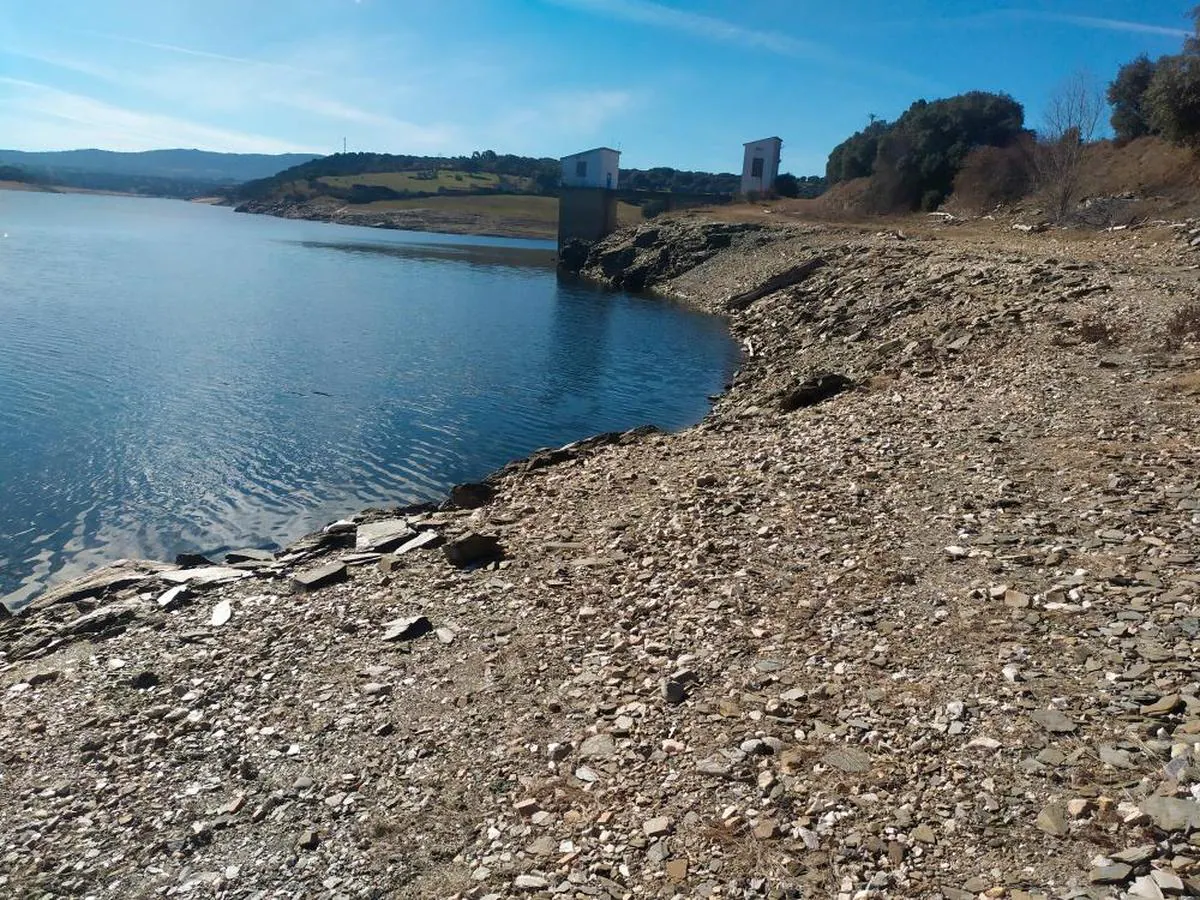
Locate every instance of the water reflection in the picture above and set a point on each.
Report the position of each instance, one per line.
(577, 346)
(472, 254)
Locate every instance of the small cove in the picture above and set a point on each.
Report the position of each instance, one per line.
(178, 378)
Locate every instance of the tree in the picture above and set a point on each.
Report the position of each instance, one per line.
(1127, 95)
(787, 185)
(1172, 101)
(1191, 44)
(855, 156)
(1069, 124)
(921, 153)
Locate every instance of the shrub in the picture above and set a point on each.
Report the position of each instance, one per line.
(993, 176)
(655, 206)
(1184, 326)
(787, 185)
(1095, 330)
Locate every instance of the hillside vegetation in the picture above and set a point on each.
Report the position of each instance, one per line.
(975, 151)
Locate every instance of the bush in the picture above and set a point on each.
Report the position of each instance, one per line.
(1099, 331)
(787, 185)
(654, 207)
(993, 176)
(1184, 326)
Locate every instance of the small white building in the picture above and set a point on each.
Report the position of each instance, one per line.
(760, 165)
(596, 168)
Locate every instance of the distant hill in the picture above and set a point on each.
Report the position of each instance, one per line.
(372, 177)
(178, 165)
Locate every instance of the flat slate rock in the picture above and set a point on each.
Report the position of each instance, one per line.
(407, 629)
(1054, 721)
(204, 575)
(423, 540)
(104, 618)
(848, 759)
(249, 554)
(1117, 873)
(314, 579)
(383, 536)
(1173, 814)
(112, 578)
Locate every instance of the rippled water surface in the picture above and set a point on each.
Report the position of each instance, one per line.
(176, 377)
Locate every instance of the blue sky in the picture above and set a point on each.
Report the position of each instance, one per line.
(667, 82)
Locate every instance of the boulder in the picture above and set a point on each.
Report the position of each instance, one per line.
(473, 548)
(815, 390)
(315, 579)
(472, 495)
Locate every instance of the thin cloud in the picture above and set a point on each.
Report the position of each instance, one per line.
(1111, 24)
(644, 12)
(711, 28)
(1036, 15)
(136, 130)
(392, 131)
(203, 54)
(576, 116)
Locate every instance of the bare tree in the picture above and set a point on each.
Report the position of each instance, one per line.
(1069, 124)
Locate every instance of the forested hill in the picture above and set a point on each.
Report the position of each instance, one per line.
(175, 165)
(385, 174)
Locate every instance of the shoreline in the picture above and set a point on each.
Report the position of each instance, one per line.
(420, 219)
(850, 635)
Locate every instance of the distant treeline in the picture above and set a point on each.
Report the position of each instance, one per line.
(680, 182)
(145, 185)
(20, 175)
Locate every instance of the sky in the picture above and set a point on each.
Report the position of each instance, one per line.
(667, 82)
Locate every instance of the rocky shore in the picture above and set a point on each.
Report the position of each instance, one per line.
(914, 612)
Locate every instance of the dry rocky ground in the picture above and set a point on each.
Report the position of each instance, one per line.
(926, 629)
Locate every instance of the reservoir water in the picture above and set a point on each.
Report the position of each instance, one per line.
(178, 377)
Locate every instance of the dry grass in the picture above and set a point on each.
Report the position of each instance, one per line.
(1099, 331)
(524, 207)
(1183, 327)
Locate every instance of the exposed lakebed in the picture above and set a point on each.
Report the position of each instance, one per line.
(174, 377)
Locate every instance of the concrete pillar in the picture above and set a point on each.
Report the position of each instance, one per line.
(586, 214)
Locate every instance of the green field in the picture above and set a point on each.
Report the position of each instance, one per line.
(519, 207)
(429, 181)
